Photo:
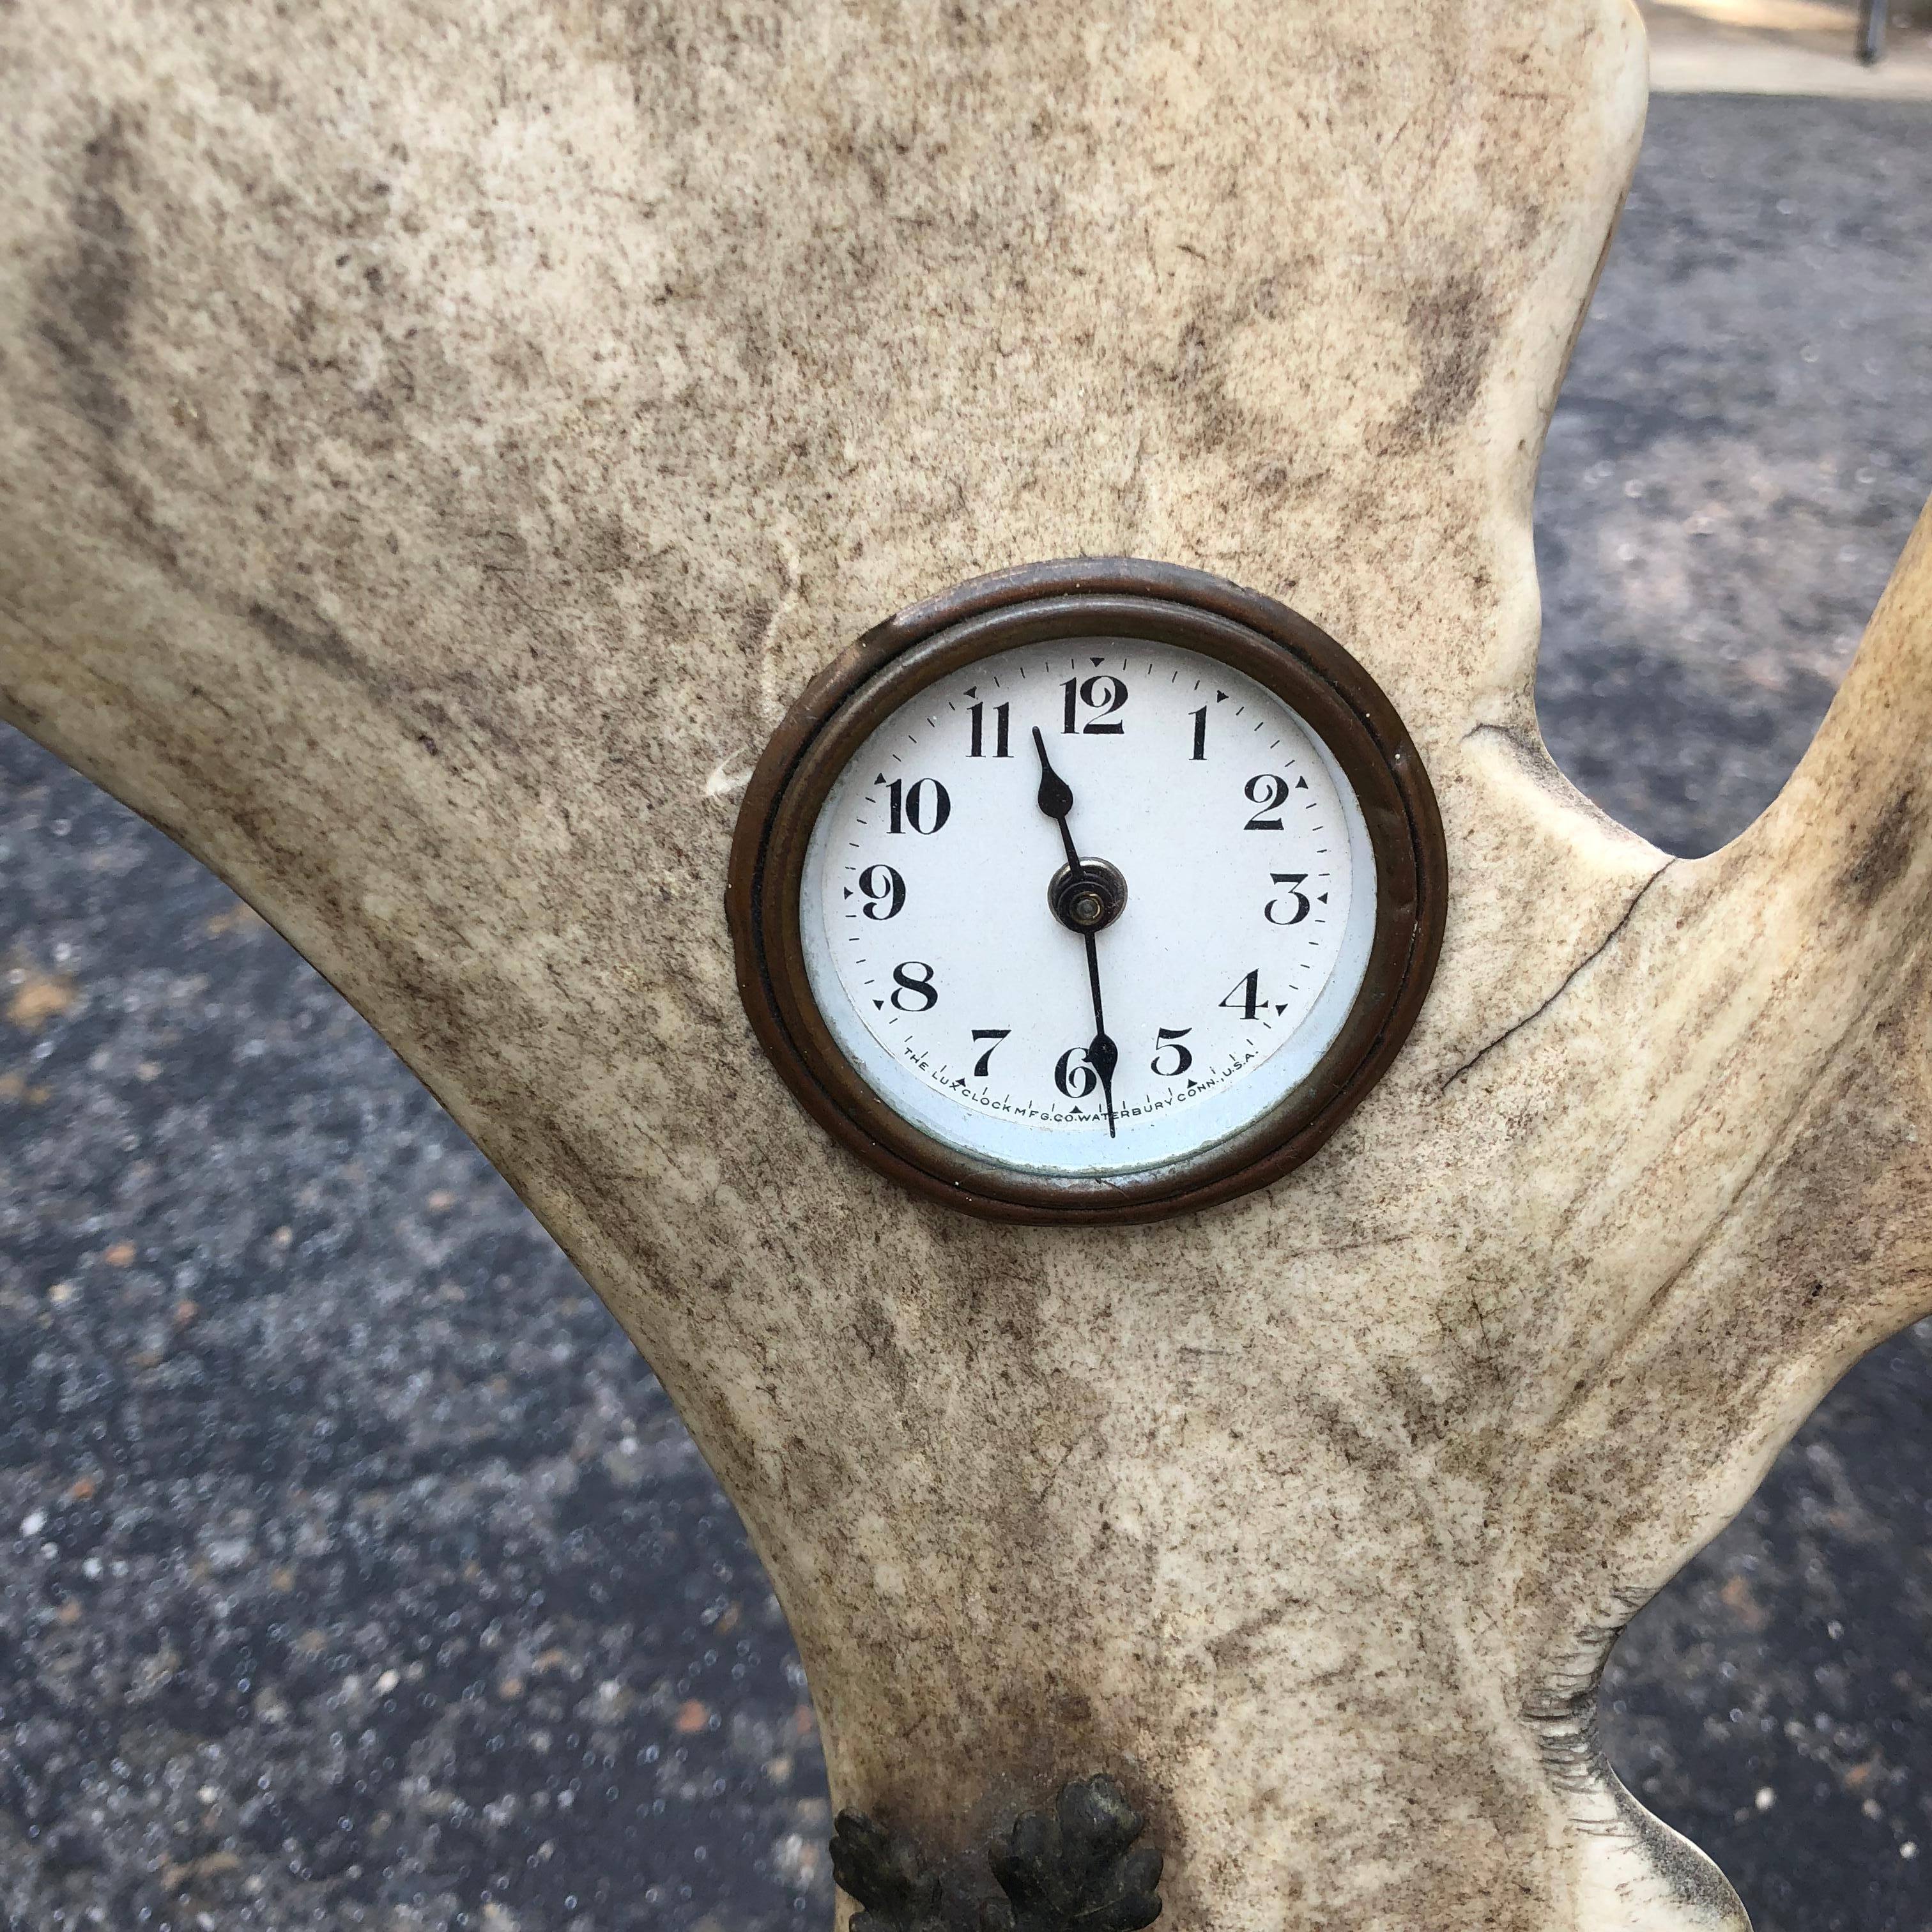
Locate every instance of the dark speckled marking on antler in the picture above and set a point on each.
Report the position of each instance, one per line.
(888, 1874)
(1073, 1869)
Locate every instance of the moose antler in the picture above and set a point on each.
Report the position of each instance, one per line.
(436, 453)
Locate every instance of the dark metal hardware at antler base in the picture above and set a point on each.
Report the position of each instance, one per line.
(1073, 1869)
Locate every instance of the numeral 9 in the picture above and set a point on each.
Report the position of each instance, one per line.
(882, 887)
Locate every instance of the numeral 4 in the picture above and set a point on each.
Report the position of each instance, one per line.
(1245, 995)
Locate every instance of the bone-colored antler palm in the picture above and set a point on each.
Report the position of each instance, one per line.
(437, 448)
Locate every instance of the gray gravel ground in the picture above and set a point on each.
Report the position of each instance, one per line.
(353, 1572)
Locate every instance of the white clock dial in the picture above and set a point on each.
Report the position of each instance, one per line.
(950, 983)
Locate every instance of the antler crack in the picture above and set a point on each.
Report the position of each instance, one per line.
(1595, 953)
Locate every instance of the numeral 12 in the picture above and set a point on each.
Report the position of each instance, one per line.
(1102, 695)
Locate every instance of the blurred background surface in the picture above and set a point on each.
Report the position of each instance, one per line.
(354, 1572)
(1791, 46)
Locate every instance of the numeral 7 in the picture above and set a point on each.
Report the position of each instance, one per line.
(983, 1065)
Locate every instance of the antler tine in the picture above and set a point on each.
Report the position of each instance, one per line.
(1758, 1216)
(1854, 820)
(1809, 942)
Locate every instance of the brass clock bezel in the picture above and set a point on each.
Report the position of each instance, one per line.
(1116, 597)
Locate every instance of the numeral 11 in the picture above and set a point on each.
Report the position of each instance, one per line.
(1001, 715)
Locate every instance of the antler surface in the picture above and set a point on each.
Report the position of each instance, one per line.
(438, 445)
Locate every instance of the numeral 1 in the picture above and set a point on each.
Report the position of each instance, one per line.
(1200, 734)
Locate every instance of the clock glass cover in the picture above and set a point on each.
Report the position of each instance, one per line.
(1245, 904)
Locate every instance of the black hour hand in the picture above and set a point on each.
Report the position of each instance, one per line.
(1056, 796)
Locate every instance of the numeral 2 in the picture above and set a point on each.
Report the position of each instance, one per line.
(1266, 790)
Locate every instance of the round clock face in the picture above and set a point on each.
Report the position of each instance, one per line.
(963, 983)
(1092, 892)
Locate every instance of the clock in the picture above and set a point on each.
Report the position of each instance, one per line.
(1093, 891)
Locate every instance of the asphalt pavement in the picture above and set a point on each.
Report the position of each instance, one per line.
(354, 1572)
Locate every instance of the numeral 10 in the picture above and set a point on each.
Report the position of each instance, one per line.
(925, 805)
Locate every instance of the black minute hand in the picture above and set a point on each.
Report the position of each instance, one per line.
(1056, 800)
